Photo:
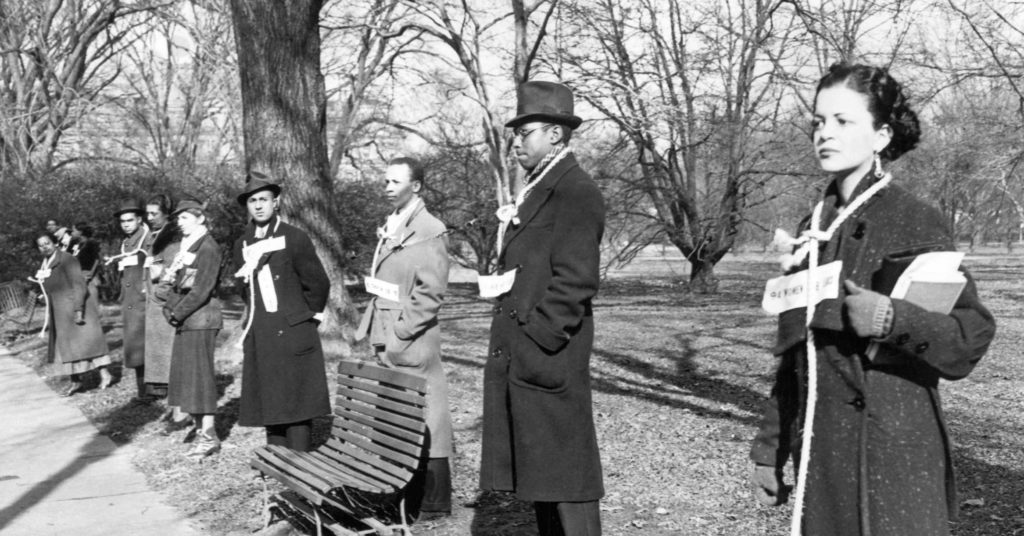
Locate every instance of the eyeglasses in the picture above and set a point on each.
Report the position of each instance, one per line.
(518, 132)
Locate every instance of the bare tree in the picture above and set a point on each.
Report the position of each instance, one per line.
(57, 57)
(284, 120)
(693, 88)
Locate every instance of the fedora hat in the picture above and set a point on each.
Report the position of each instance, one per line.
(130, 205)
(550, 102)
(257, 182)
(189, 203)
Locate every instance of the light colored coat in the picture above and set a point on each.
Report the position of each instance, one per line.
(68, 293)
(408, 330)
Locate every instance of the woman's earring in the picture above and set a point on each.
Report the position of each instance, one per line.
(879, 173)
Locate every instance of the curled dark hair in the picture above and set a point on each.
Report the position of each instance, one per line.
(887, 103)
(43, 234)
(416, 171)
(163, 202)
(84, 228)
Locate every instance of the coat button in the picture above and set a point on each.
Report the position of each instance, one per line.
(276, 277)
(858, 403)
(513, 314)
(902, 338)
(497, 309)
(496, 353)
(280, 332)
(128, 285)
(920, 348)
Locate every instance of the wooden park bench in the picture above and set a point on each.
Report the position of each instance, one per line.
(376, 444)
(13, 299)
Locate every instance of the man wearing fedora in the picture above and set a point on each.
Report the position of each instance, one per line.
(131, 262)
(539, 438)
(284, 384)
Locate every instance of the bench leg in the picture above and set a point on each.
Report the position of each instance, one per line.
(268, 515)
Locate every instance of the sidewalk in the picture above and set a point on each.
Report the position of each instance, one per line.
(59, 476)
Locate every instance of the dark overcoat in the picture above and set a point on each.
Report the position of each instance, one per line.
(68, 293)
(539, 438)
(408, 329)
(133, 298)
(284, 379)
(162, 245)
(193, 295)
(880, 455)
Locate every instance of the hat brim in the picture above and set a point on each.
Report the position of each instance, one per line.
(138, 211)
(570, 121)
(272, 187)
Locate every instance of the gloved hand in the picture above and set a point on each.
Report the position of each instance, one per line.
(80, 317)
(866, 310)
(169, 316)
(768, 486)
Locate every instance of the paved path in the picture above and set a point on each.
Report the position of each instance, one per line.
(59, 476)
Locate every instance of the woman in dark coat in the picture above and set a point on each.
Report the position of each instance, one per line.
(77, 342)
(162, 246)
(196, 314)
(878, 461)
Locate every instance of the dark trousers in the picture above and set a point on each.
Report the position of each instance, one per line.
(140, 381)
(294, 435)
(568, 518)
(430, 489)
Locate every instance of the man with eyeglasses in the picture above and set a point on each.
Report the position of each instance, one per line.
(539, 439)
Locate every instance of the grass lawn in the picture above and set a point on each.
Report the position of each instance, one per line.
(679, 381)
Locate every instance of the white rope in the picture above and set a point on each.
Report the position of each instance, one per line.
(246, 272)
(46, 298)
(811, 239)
(145, 233)
(510, 213)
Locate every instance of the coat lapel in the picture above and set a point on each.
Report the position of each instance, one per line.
(407, 233)
(538, 197)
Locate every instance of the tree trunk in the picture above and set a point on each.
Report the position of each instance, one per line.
(702, 276)
(284, 121)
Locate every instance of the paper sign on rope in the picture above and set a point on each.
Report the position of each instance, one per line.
(492, 286)
(127, 261)
(790, 291)
(381, 288)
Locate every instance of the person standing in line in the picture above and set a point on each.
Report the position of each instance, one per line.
(193, 309)
(161, 246)
(131, 262)
(539, 439)
(88, 252)
(411, 268)
(880, 458)
(284, 381)
(52, 226)
(76, 340)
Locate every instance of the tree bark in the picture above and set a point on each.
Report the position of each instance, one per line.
(284, 107)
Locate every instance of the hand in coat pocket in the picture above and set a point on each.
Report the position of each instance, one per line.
(534, 367)
(399, 350)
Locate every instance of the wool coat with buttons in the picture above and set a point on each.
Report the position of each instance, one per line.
(406, 334)
(881, 454)
(133, 302)
(68, 293)
(284, 379)
(539, 438)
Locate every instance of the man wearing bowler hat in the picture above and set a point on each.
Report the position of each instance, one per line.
(284, 384)
(539, 439)
(131, 262)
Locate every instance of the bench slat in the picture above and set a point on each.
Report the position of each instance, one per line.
(344, 406)
(405, 395)
(292, 484)
(397, 431)
(392, 443)
(301, 464)
(337, 473)
(376, 401)
(282, 459)
(364, 369)
(351, 455)
(358, 472)
(396, 457)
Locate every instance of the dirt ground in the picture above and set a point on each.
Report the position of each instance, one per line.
(679, 381)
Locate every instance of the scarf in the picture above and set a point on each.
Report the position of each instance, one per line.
(510, 213)
(184, 256)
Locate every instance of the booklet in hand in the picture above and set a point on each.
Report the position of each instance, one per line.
(930, 280)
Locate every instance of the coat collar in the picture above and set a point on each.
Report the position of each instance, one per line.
(539, 196)
(273, 228)
(408, 232)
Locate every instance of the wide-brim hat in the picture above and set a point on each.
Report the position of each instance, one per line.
(549, 102)
(189, 203)
(257, 182)
(130, 205)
